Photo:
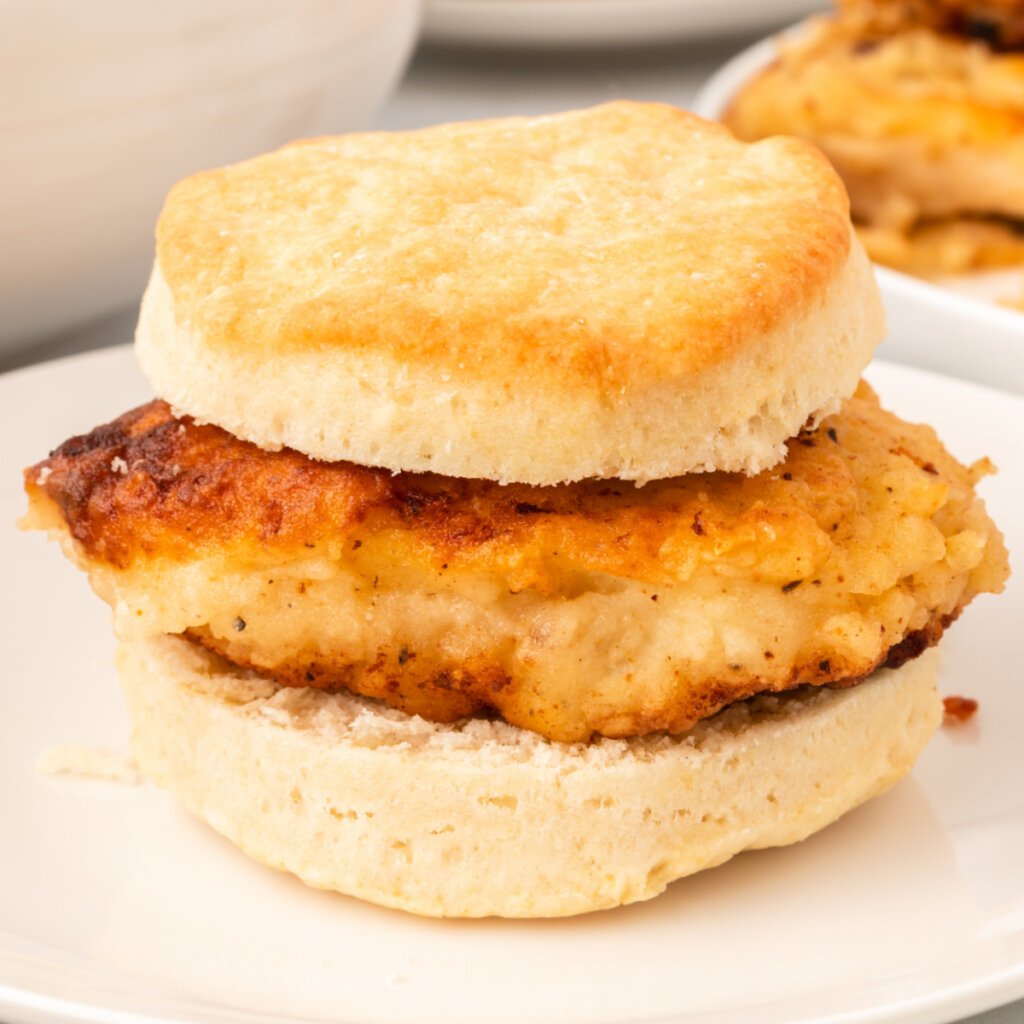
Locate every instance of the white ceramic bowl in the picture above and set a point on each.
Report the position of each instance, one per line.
(103, 105)
(930, 326)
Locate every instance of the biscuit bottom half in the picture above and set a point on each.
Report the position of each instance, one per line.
(479, 818)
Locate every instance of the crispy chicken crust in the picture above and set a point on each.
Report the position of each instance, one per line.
(594, 608)
(998, 23)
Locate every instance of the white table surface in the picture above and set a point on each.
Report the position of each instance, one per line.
(448, 85)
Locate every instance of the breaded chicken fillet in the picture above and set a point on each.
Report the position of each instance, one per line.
(578, 610)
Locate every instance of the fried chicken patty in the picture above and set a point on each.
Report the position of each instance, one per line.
(577, 610)
(924, 124)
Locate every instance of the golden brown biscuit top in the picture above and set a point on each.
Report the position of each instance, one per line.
(618, 245)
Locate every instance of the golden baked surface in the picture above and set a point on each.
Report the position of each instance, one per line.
(612, 245)
(592, 608)
(625, 292)
(926, 128)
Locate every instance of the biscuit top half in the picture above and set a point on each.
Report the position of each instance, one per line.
(624, 291)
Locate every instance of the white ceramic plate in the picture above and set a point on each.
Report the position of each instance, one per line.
(954, 328)
(115, 905)
(568, 23)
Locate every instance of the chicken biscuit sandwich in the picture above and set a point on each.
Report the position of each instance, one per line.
(512, 536)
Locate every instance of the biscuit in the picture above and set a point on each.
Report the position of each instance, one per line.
(480, 818)
(622, 292)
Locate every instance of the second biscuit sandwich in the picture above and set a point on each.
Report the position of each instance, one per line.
(919, 104)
